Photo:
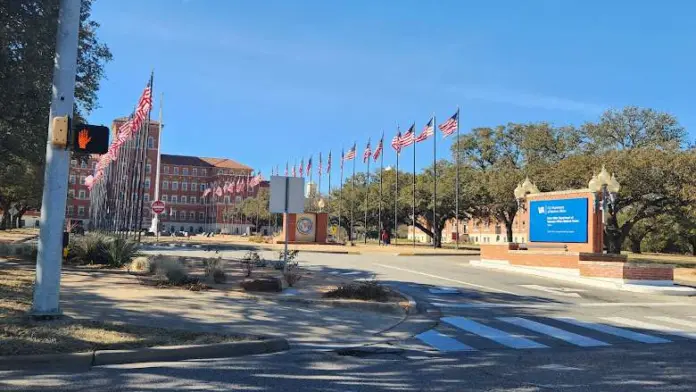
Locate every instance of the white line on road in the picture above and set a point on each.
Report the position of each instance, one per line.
(572, 338)
(562, 291)
(442, 342)
(620, 332)
(486, 305)
(493, 334)
(673, 320)
(447, 279)
(655, 327)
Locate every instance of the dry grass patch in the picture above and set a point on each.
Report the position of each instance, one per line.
(683, 261)
(20, 334)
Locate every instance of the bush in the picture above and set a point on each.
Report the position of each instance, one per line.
(219, 276)
(90, 249)
(120, 251)
(214, 270)
(141, 264)
(249, 261)
(366, 291)
(292, 273)
(257, 239)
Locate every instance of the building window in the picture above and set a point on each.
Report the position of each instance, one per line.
(238, 199)
(71, 193)
(81, 195)
(73, 162)
(172, 213)
(227, 199)
(146, 197)
(194, 186)
(184, 200)
(175, 185)
(80, 211)
(148, 168)
(72, 179)
(201, 216)
(175, 199)
(82, 180)
(194, 171)
(185, 171)
(165, 198)
(182, 215)
(83, 164)
(150, 142)
(146, 213)
(165, 185)
(202, 187)
(71, 209)
(219, 172)
(193, 199)
(166, 170)
(184, 186)
(204, 172)
(147, 183)
(94, 165)
(192, 215)
(176, 170)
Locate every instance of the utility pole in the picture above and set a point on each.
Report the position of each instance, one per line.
(54, 199)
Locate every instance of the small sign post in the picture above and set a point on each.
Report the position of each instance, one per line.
(287, 197)
(158, 207)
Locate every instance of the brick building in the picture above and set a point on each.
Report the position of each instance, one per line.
(182, 182)
(477, 231)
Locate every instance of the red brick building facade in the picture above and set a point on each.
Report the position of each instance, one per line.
(182, 182)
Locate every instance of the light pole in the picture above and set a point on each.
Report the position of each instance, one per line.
(522, 190)
(609, 188)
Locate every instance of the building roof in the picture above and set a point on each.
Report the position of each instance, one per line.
(186, 160)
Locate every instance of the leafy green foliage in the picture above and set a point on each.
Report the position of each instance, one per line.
(370, 290)
(120, 251)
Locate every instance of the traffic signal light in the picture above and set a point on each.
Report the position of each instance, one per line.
(90, 139)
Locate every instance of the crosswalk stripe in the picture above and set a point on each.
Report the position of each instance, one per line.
(573, 338)
(493, 334)
(655, 327)
(673, 320)
(442, 342)
(620, 332)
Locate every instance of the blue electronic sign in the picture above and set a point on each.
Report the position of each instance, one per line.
(560, 220)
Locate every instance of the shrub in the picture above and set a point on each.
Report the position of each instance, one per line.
(90, 249)
(5, 249)
(120, 251)
(219, 276)
(257, 239)
(142, 264)
(249, 261)
(292, 254)
(367, 291)
(214, 270)
(292, 273)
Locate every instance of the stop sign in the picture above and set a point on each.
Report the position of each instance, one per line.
(158, 206)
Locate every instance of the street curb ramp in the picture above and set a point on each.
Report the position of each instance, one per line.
(85, 360)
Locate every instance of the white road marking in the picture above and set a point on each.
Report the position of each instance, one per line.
(656, 327)
(572, 338)
(485, 305)
(442, 342)
(561, 291)
(493, 334)
(447, 279)
(620, 332)
(673, 320)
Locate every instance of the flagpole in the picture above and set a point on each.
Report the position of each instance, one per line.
(396, 194)
(340, 199)
(456, 188)
(413, 216)
(435, 181)
(367, 189)
(155, 218)
(381, 174)
(352, 196)
(319, 174)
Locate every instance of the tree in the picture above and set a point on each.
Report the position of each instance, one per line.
(27, 47)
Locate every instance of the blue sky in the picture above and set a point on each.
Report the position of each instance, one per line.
(266, 81)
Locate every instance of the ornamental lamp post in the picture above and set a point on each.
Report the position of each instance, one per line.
(609, 187)
(321, 204)
(522, 190)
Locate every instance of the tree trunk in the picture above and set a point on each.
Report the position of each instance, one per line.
(635, 245)
(508, 231)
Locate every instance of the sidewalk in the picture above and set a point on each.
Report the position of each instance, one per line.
(93, 295)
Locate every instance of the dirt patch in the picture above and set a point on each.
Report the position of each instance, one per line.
(21, 334)
(685, 276)
(17, 235)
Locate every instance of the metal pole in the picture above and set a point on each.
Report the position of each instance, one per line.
(285, 221)
(434, 181)
(352, 200)
(155, 218)
(367, 193)
(50, 249)
(413, 209)
(396, 199)
(381, 175)
(340, 199)
(456, 188)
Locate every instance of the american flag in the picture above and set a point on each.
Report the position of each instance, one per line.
(302, 167)
(206, 192)
(396, 142)
(218, 192)
(409, 137)
(240, 185)
(309, 166)
(286, 169)
(351, 153)
(343, 156)
(378, 150)
(450, 126)
(367, 153)
(328, 163)
(428, 131)
(294, 170)
(319, 167)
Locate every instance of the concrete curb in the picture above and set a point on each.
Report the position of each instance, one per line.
(646, 289)
(470, 253)
(83, 361)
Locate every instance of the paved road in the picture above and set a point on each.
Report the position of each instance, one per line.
(495, 332)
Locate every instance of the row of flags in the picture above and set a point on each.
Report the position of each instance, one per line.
(239, 186)
(125, 132)
(399, 141)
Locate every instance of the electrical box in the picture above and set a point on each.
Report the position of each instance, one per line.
(60, 129)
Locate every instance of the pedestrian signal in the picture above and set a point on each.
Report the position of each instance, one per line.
(90, 139)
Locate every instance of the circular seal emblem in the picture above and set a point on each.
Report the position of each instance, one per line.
(305, 226)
